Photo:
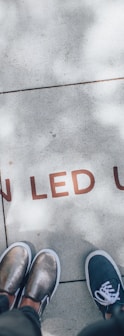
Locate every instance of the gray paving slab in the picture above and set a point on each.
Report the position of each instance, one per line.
(70, 311)
(60, 131)
(46, 42)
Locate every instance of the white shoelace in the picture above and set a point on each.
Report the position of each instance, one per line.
(107, 292)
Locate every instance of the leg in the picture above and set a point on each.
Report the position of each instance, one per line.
(20, 322)
(14, 266)
(41, 285)
(106, 288)
(4, 303)
(42, 282)
(114, 327)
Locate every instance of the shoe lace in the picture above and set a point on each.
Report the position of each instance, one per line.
(107, 295)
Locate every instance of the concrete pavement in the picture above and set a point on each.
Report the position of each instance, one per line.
(61, 140)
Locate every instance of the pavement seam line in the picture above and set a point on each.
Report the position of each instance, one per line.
(72, 281)
(63, 85)
(79, 280)
(3, 210)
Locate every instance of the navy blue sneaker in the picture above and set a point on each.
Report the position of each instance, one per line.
(104, 282)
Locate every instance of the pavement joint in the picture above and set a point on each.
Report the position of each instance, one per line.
(3, 210)
(72, 281)
(63, 85)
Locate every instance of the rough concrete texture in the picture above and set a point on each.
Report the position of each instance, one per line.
(68, 313)
(65, 130)
(45, 43)
(62, 147)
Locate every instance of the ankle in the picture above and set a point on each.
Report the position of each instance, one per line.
(31, 303)
(108, 316)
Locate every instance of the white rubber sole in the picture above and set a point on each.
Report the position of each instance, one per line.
(107, 256)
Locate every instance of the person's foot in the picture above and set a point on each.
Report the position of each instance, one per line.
(104, 282)
(43, 280)
(14, 266)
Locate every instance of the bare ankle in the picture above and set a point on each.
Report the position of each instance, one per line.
(108, 316)
(29, 302)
